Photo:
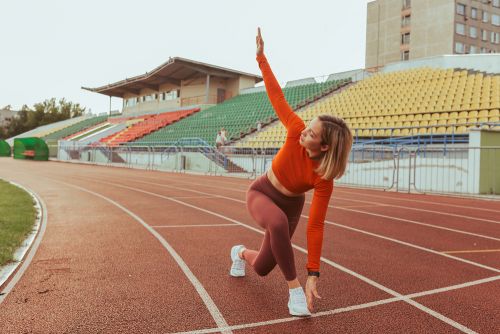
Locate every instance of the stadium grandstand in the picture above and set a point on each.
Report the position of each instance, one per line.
(171, 115)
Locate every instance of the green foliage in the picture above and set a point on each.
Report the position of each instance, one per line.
(17, 216)
(42, 113)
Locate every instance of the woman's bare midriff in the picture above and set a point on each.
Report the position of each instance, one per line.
(276, 184)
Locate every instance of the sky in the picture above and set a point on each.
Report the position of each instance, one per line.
(50, 49)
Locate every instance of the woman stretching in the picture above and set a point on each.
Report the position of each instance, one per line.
(310, 158)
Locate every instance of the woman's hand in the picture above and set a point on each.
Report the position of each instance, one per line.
(260, 43)
(311, 291)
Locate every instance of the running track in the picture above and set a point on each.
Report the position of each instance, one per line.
(148, 252)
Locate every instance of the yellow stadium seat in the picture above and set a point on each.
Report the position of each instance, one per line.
(493, 113)
(461, 129)
(450, 130)
(441, 130)
(494, 119)
(482, 113)
(422, 131)
(472, 113)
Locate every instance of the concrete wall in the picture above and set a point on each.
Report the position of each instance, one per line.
(192, 92)
(489, 63)
(383, 36)
(432, 28)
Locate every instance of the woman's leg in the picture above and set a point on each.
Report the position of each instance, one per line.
(276, 246)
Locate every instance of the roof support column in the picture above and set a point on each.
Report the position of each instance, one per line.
(207, 89)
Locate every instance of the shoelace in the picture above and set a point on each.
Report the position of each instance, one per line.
(298, 298)
(239, 264)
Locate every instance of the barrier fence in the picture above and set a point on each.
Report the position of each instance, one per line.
(435, 169)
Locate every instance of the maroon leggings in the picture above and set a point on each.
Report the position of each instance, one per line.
(279, 215)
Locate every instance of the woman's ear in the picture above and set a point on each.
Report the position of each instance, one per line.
(324, 148)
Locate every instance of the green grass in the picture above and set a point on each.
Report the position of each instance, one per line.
(17, 217)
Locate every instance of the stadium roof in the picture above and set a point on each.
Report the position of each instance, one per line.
(173, 71)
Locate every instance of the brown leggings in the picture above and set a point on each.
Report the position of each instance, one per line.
(279, 215)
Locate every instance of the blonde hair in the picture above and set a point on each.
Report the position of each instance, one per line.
(338, 137)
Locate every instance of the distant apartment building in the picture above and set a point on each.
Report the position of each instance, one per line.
(6, 116)
(399, 30)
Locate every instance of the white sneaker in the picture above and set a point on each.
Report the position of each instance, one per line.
(238, 266)
(297, 304)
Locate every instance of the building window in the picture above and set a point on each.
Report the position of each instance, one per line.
(460, 29)
(405, 21)
(405, 55)
(494, 37)
(495, 19)
(460, 9)
(496, 3)
(168, 96)
(149, 98)
(484, 50)
(473, 32)
(473, 49)
(485, 16)
(459, 47)
(473, 13)
(131, 102)
(484, 35)
(406, 4)
(405, 39)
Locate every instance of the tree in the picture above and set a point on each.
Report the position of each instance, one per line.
(42, 113)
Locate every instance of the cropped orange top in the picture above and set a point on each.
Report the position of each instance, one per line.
(295, 170)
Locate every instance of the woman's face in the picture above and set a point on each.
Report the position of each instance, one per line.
(310, 137)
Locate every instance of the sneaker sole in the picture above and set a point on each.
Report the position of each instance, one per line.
(236, 274)
(299, 314)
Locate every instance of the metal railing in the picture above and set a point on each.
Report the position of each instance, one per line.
(457, 169)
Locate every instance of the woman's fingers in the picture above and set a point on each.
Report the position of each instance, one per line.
(316, 294)
(309, 299)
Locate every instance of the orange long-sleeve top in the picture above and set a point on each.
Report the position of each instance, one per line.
(295, 170)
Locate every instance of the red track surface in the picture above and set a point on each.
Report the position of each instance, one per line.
(100, 267)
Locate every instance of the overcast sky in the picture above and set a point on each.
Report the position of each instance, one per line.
(52, 48)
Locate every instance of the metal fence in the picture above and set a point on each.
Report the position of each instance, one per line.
(447, 169)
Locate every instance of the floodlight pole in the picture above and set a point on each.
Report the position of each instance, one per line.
(110, 105)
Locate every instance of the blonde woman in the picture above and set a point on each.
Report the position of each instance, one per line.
(311, 158)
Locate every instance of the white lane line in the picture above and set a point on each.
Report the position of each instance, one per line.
(202, 225)
(374, 214)
(31, 253)
(192, 196)
(356, 193)
(473, 251)
(417, 223)
(359, 206)
(358, 211)
(349, 308)
(418, 201)
(397, 206)
(424, 210)
(412, 245)
(212, 308)
(331, 263)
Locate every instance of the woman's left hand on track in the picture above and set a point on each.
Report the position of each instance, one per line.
(311, 291)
